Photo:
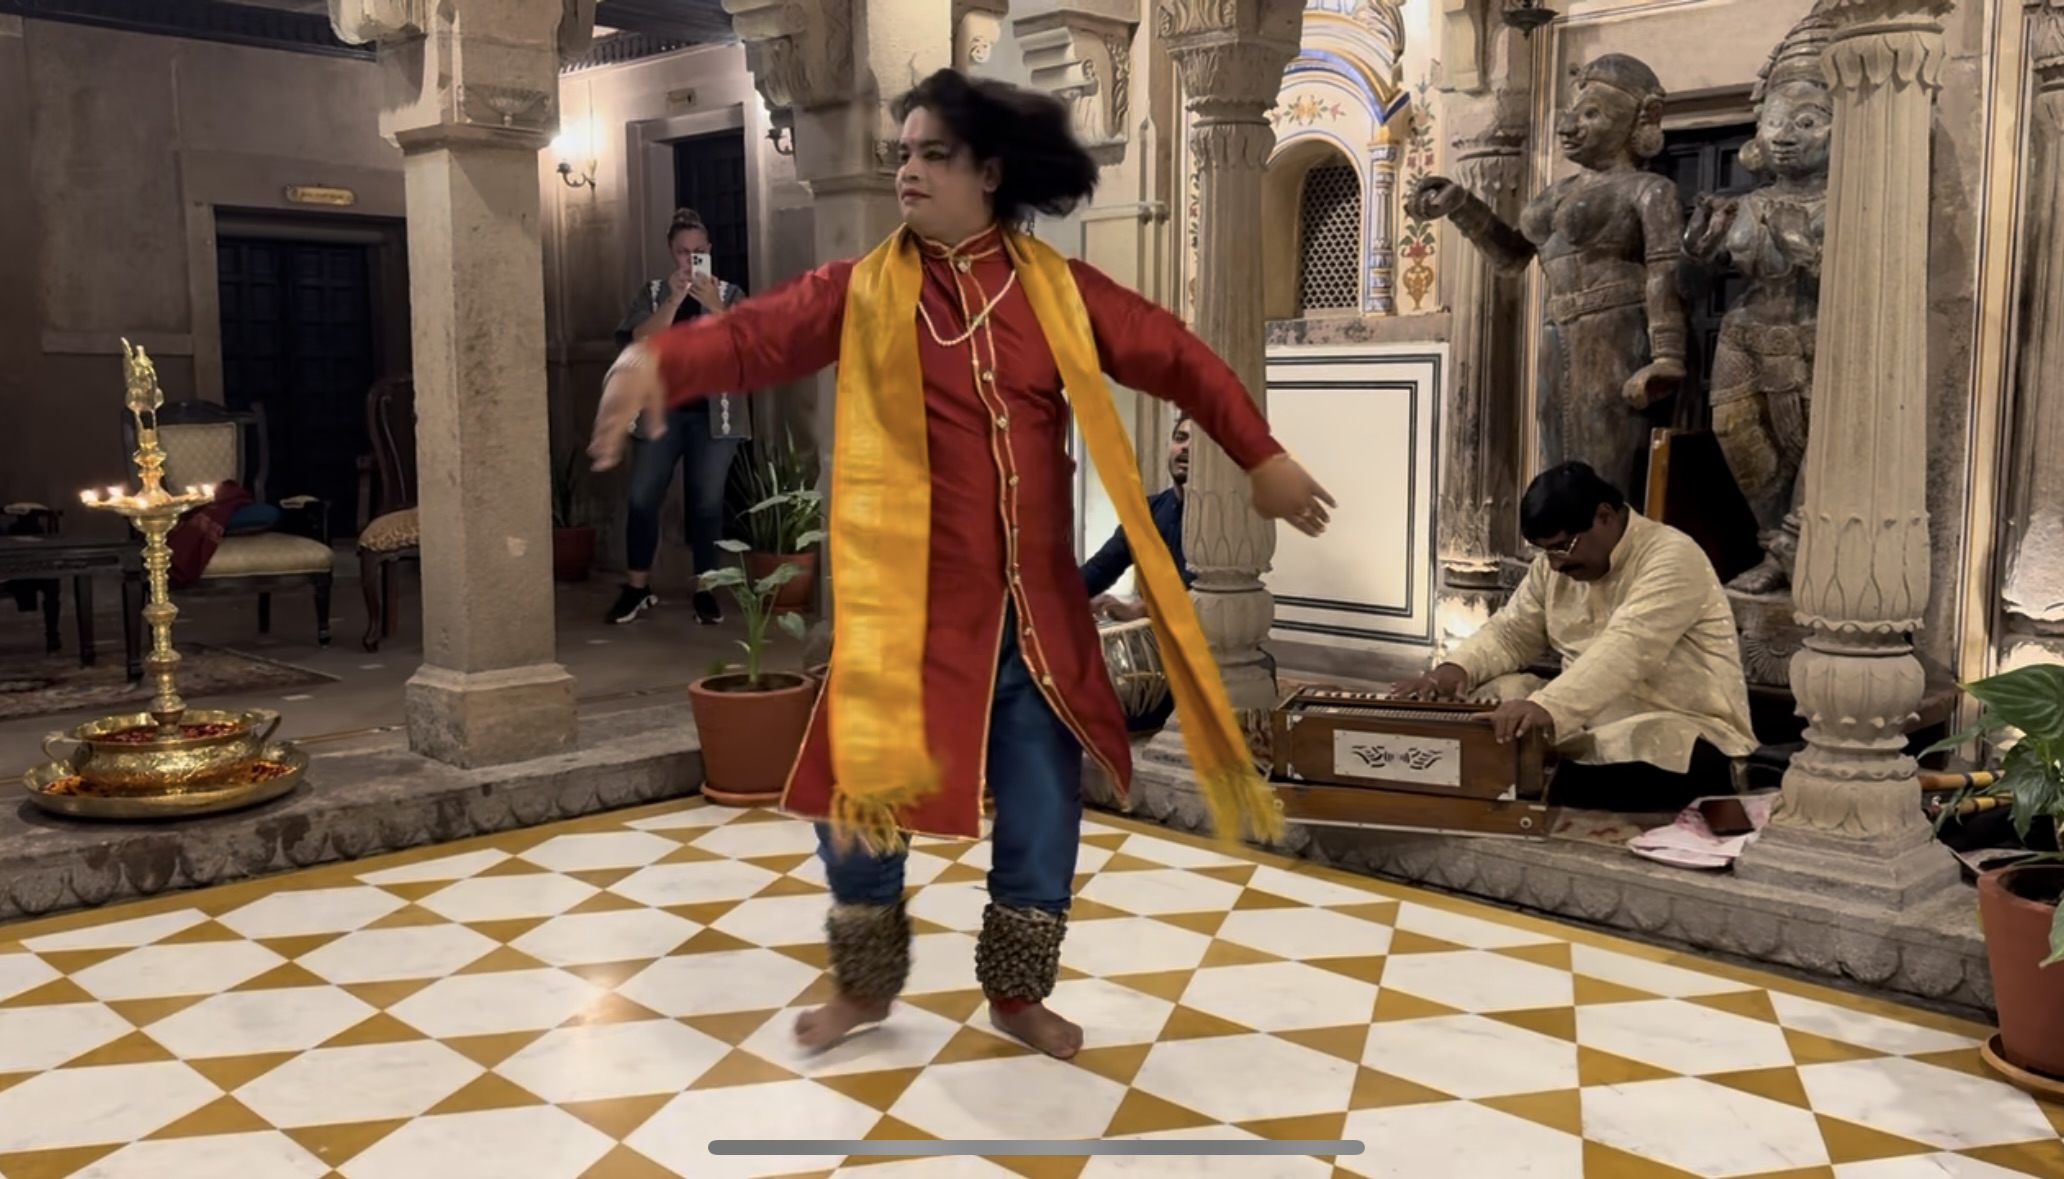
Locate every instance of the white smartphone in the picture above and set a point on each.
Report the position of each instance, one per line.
(700, 263)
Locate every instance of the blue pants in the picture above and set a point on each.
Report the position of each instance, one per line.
(706, 462)
(1035, 776)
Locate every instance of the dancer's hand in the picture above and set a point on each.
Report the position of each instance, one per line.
(1283, 490)
(632, 388)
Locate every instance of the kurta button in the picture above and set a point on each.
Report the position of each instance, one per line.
(1002, 422)
(988, 376)
(1047, 680)
(964, 264)
(1013, 480)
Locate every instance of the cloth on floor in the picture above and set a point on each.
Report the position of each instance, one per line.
(1690, 842)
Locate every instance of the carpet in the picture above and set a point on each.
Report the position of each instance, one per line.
(35, 684)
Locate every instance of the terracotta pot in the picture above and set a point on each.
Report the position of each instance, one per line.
(2028, 995)
(573, 553)
(750, 739)
(794, 596)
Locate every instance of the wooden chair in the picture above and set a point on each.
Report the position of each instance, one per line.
(389, 533)
(206, 443)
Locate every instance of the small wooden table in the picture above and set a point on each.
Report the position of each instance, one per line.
(53, 558)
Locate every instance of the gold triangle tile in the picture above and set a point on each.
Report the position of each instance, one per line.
(1188, 1023)
(1380, 912)
(1554, 955)
(781, 864)
(1086, 910)
(1143, 1113)
(415, 890)
(820, 992)
(55, 993)
(1121, 862)
(1232, 874)
(1380, 1090)
(896, 1130)
(1606, 1162)
(741, 1068)
(790, 886)
(713, 941)
(973, 1044)
(603, 902)
(1366, 968)
(876, 1090)
(504, 960)
(2054, 1111)
(294, 946)
(624, 1163)
(1394, 1006)
(513, 866)
(1404, 941)
(1557, 1109)
(1038, 1167)
(1120, 1063)
(958, 873)
(958, 1006)
(1848, 1142)
(688, 853)
(1234, 954)
(609, 974)
(760, 814)
(1808, 1048)
(385, 993)
(1253, 899)
(1162, 984)
(1796, 1173)
(1204, 923)
(10, 1080)
(1754, 1005)
(1595, 1067)
(920, 927)
(1345, 1042)
(1559, 1023)
(224, 1115)
(815, 954)
(487, 1091)
(732, 1027)
(54, 1164)
(230, 1073)
(1597, 992)
(407, 917)
(506, 931)
(602, 877)
(2043, 1159)
(702, 912)
(134, 1048)
(1778, 1084)
(204, 933)
(612, 1008)
(285, 976)
(340, 1143)
(70, 962)
(377, 1029)
(1963, 1060)
(490, 1050)
(1108, 840)
(1323, 1127)
(1066, 973)
(1080, 881)
(145, 1012)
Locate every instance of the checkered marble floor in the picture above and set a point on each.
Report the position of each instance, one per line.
(603, 998)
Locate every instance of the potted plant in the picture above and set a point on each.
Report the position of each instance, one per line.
(2018, 906)
(573, 544)
(782, 519)
(752, 722)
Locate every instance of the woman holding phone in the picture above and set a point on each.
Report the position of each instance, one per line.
(701, 438)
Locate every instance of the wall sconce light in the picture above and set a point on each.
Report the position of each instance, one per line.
(1528, 15)
(574, 143)
(782, 136)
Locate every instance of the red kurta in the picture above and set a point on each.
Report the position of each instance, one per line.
(1003, 501)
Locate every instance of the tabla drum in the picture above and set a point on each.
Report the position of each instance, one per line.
(1134, 660)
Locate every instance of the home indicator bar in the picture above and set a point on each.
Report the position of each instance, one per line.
(1164, 1148)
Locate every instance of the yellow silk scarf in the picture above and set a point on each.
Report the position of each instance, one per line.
(880, 548)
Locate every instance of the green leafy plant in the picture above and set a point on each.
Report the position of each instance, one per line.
(783, 511)
(756, 602)
(566, 490)
(2024, 715)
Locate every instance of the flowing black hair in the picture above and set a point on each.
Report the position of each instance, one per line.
(1564, 501)
(1029, 133)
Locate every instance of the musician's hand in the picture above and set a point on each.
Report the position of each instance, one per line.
(633, 388)
(1445, 682)
(1517, 718)
(1119, 609)
(1285, 491)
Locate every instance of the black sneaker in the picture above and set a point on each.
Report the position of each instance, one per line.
(707, 612)
(631, 601)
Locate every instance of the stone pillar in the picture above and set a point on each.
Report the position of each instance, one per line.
(470, 97)
(1231, 55)
(1081, 53)
(2033, 589)
(1848, 824)
(1380, 297)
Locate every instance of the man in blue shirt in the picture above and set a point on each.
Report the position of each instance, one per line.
(1103, 570)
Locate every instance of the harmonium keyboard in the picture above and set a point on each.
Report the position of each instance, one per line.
(1358, 759)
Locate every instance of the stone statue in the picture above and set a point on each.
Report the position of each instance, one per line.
(1763, 366)
(1609, 239)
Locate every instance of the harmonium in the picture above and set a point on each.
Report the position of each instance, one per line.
(1358, 759)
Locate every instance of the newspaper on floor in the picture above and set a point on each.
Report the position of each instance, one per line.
(1690, 842)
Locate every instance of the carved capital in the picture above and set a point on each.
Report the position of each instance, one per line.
(1489, 160)
(1231, 53)
(1084, 58)
(478, 71)
(977, 26)
(800, 52)
(367, 22)
(1885, 42)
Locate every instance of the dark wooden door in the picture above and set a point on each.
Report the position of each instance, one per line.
(709, 177)
(297, 336)
(1705, 160)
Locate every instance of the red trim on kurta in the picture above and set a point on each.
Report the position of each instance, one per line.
(998, 452)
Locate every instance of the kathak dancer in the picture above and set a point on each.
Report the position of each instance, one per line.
(965, 660)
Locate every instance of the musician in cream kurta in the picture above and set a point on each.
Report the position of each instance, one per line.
(1651, 667)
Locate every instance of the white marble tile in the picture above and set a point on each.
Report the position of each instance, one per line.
(1656, 978)
(1309, 889)
(1161, 890)
(152, 972)
(1861, 1027)
(678, 1136)
(1924, 1166)
(383, 955)
(778, 921)
(1281, 996)
(1109, 1015)
(1131, 945)
(622, 935)
(600, 849)
(293, 1019)
(928, 1168)
(535, 1142)
(115, 1103)
(1470, 1056)
(1685, 1038)
(1466, 930)
(955, 906)
(1202, 1166)
(458, 867)
(359, 1083)
(919, 869)
(1246, 1078)
(1703, 1128)
(744, 841)
(1458, 1141)
(593, 1062)
(714, 984)
(136, 931)
(1477, 981)
(691, 816)
(1938, 1106)
(909, 1038)
(319, 910)
(256, 1155)
(36, 1038)
(1306, 933)
(691, 884)
(1018, 1097)
(1156, 850)
(941, 962)
(508, 898)
(23, 972)
(483, 1004)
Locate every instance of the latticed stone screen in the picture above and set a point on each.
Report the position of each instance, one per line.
(1329, 232)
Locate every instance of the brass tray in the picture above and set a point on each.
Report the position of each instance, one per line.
(183, 802)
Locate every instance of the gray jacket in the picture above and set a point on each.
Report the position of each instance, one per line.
(729, 417)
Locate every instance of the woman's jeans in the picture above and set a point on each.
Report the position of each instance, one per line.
(706, 464)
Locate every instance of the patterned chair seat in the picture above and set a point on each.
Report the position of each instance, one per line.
(391, 533)
(268, 554)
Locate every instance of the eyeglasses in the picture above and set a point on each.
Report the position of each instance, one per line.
(1561, 548)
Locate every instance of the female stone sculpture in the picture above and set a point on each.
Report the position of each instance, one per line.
(1763, 366)
(1609, 239)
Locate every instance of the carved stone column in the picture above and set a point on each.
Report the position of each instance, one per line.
(1381, 216)
(1848, 824)
(1231, 55)
(2033, 591)
(1081, 53)
(471, 97)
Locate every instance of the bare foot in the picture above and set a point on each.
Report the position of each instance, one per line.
(1766, 578)
(1038, 1027)
(821, 1027)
